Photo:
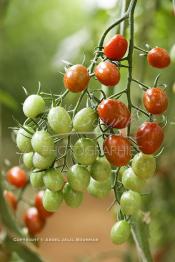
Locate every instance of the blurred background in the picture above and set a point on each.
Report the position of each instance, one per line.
(35, 36)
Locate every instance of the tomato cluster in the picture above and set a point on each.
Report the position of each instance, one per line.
(49, 127)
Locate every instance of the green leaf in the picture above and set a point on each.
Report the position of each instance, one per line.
(6, 215)
(22, 251)
(140, 233)
(7, 100)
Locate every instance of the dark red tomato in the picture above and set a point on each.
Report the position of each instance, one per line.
(117, 150)
(33, 221)
(11, 199)
(155, 100)
(149, 137)
(39, 205)
(76, 78)
(158, 57)
(114, 113)
(107, 74)
(16, 176)
(116, 47)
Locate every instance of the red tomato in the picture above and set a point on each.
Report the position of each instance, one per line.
(107, 74)
(116, 47)
(117, 150)
(155, 100)
(149, 137)
(158, 57)
(114, 113)
(33, 221)
(39, 205)
(11, 199)
(76, 78)
(16, 176)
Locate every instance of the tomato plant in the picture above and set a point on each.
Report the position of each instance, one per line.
(114, 113)
(158, 57)
(117, 150)
(71, 197)
(120, 232)
(155, 100)
(107, 73)
(39, 205)
(149, 137)
(93, 148)
(33, 106)
(17, 177)
(33, 221)
(76, 78)
(116, 47)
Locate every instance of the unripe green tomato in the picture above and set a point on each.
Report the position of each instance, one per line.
(42, 162)
(144, 166)
(33, 106)
(71, 197)
(85, 120)
(120, 232)
(85, 151)
(28, 160)
(99, 189)
(59, 120)
(36, 179)
(131, 181)
(52, 200)
(53, 179)
(130, 202)
(121, 172)
(100, 169)
(78, 178)
(42, 143)
(23, 139)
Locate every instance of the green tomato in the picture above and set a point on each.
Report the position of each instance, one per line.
(78, 178)
(131, 181)
(121, 172)
(23, 139)
(85, 120)
(144, 166)
(99, 189)
(130, 202)
(33, 106)
(120, 232)
(100, 169)
(42, 162)
(71, 197)
(53, 179)
(52, 200)
(36, 179)
(59, 120)
(85, 151)
(42, 143)
(28, 160)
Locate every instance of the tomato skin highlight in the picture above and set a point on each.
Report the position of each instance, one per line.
(107, 74)
(17, 177)
(33, 221)
(116, 47)
(155, 100)
(158, 57)
(76, 78)
(117, 150)
(11, 199)
(39, 205)
(149, 137)
(114, 113)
